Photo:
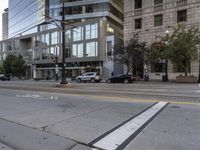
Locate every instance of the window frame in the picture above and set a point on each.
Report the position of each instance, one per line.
(183, 17)
(156, 23)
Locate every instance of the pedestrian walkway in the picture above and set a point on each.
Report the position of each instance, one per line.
(25, 138)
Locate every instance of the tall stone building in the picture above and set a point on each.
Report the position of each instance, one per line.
(5, 24)
(153, 19)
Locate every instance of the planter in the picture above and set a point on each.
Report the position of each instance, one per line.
(186, 79)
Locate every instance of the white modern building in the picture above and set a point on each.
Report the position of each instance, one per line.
(93, 29)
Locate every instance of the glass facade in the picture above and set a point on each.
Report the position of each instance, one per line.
(42, 45)
(54, 38)
(92, 49)
(78, 34)
(25, 14)
(91, 31)
(77, 50)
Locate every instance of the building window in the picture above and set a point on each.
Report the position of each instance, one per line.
(77, 50)
(67, 37)
(45, 53)
(91, 31)
(138, 23)
(156, 2)
(109, 48)
(36, 54)
(178, 67)
(73, 10)
(78, 34)
(54, 38)
(158, 20)
(138, 4)
(158, 67)
(44, 39)
(181, 15)
(54, 52)
(89, 8)
(92, 49)
(116, 12)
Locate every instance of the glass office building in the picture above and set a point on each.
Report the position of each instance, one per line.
(26, 14)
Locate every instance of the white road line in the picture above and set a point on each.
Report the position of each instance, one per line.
(199, 85)
(4, 147)
(117, 137)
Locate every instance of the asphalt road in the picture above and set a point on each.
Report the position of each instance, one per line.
(168, 91)
(75, 119)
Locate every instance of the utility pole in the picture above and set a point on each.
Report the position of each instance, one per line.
(166, 60)
(199, 68)
(63, 81)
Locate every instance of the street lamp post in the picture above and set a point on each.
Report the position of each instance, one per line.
(199, 68)
(62, 29)
(166, 60)
(56, 63)
(63, 81)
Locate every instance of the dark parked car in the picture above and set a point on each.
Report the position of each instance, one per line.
(4, 77)
(122, 78)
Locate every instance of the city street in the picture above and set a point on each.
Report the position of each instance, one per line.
(100, 75)
(138, 116)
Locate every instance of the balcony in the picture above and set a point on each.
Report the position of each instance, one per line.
(181, 3)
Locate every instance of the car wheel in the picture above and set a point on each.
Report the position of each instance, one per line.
(126, 81)
(79, 80)
(92, 80)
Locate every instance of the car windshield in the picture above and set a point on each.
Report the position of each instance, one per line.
(88, 74)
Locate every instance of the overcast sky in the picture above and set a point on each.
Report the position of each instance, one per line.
(3, 5)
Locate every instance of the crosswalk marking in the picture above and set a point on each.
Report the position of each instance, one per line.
(116, 138)
(4, 147)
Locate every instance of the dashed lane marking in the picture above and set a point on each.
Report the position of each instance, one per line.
(35, 96)
(122, 136)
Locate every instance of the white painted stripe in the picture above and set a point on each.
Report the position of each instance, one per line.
(117, 137)
(4, 147)
(199, 85)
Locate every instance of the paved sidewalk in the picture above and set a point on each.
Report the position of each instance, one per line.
(25, 138)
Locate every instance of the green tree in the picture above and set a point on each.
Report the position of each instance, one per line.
(14, 65)
(183, 44)
(134, 55)
(161, 51)
(1, 69)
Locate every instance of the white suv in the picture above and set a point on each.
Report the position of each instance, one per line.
(89, 76)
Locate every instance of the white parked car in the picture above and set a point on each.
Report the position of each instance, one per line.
(89, 76)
